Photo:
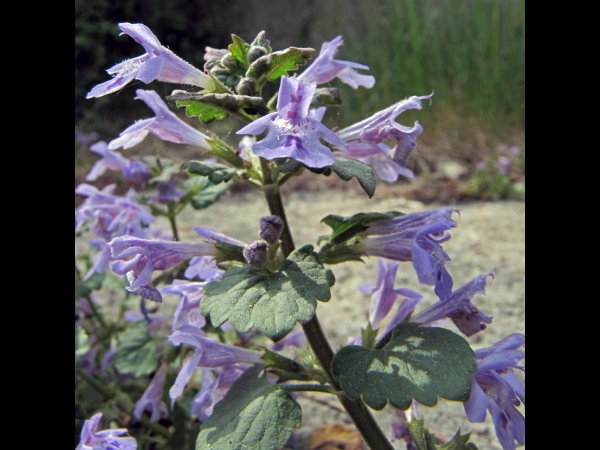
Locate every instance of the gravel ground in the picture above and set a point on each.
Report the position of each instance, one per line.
(489, 237)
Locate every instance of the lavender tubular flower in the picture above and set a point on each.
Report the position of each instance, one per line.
(152, 398)
(187, 312)
(214, 388)
(111, 439)
(325, 68)
(495, 388)
(207, 354)
(166, 125)
(459, 309)
(292, 132)
(363, 139)
(138, 258)
(204, 268)
(414, 237)
(111, 160)
(159, 63)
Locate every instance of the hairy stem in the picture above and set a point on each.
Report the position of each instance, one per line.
(171, 216)
(109, 394)
(356, 409)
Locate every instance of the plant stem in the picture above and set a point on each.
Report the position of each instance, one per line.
(356, 409)
(97, 315)
(171, 216)
(109, 394)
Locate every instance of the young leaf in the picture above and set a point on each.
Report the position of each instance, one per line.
(272, 66)
(206, 113)
(272, 303)
(422, 438)
(286, 369)
(348, 168)
(239, 49)
(202, 192)
(344, 228)
(253, 415)
(326, 96)
(459, 442)
(136, 351)
(418, 363)
(215, 172)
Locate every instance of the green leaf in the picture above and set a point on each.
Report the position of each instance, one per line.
(203, 192)
(260, 41)
(418, 362)
(206, 113)
(272, 66)
(239, 50)
(84, 288)
(253, 415)
(459, 442)
(215, 172)
(286, 369)
(218, 105)
(369, 336)
(344, 228)
(422, 438)
(326, 96)
(136, 351)
(348, 168)
(272, 303)
(82, 346)
(185, 429)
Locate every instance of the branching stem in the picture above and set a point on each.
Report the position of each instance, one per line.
(356, 409)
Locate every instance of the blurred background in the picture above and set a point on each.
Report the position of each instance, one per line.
(470, 52)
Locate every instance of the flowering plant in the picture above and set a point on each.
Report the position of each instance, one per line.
(214, 372)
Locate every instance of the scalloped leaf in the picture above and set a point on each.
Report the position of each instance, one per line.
(205, 113)
(272, 66)
(272, 303)
(418, 363)
(348, 168)
(239, 50)
(215, 172)
(253, 415)
(345, 227)
(328, 96)
(224, 103)
(202, 192)
(136, 351)
(261, 41)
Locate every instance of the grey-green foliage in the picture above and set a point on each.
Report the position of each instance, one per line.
(254, 414)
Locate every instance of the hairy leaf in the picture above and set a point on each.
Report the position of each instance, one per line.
(206, 113)
(418, 363)
(326, 96)
(422, 438)
(215, 172)
(286, 369)
(348, 168)
(346, 227)
(459, 442)
(272, 303)
(272, 66)
(136, 351)
(202, 192)
(203, 105)
(239, 49)
(253, 415)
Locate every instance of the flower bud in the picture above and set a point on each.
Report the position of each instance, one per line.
(246, 86)
(228, 61)
(255, 254)
(270, 229)
(256, 52)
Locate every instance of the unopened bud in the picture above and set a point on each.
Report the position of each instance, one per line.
(256, 52)
(270, 228)
(246, 86)
(255, 254)
(229, 62)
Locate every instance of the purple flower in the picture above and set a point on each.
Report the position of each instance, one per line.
(158, 63)
(111, 215)
(214, 388)
(167, 193)
(138, 258)
(383, 293)
(325, 68)
(207, 354)
(295, 339)
(496, 388)
(152, 398)
(112, 439)
(204, 268)
(187, 312)
(459, 308)
(363, 139)
(292, 133)
(110, 160)
(414, 237)
(100, 259)
(166, 125)
(504, 165)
